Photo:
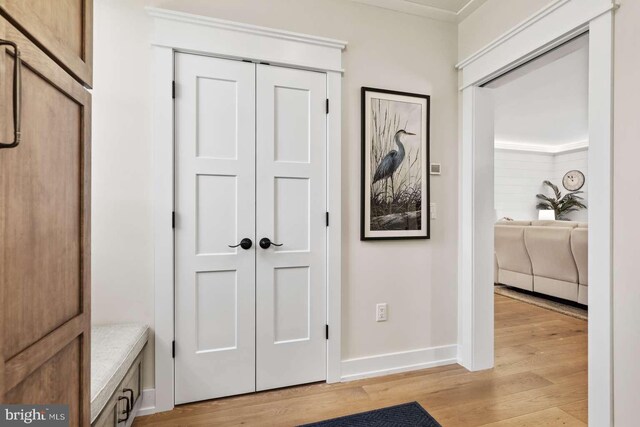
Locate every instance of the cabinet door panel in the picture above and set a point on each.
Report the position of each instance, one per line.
(62, 27)
(44, 234)
(57, 381)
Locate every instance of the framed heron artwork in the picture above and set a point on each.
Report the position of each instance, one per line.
(395, 165)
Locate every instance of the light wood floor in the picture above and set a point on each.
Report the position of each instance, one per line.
(540, 379)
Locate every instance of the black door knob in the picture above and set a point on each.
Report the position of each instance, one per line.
(245, 244)
(265, 243)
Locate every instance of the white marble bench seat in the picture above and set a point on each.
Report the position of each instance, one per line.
(114, 348)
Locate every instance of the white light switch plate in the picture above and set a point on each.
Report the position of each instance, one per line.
(381, 312)
(434, 210)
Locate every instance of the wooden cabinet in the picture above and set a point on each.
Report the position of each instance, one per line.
(121, 408)
(63, 28)
(44, 224)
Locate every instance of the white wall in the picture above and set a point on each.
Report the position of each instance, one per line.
(519, 176)
(121, 223)
(626, 227)
(386, 49)
(491, 20)
(575, 160)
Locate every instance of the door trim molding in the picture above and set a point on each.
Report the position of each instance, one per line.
(188, 18)
(559, 22)
(181, 32)
(190, 33)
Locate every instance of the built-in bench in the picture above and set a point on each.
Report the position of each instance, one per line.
(116, 359)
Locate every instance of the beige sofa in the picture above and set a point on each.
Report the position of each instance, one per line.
(548, 257)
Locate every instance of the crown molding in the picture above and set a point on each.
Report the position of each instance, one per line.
(541, 148)
(207, 21)
(418, 9)
(469, 8)
(412, 8)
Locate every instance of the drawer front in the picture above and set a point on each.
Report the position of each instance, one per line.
(108, 416)
(118, 411)
(128, 393)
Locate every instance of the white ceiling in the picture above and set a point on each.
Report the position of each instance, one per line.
(443, 10)
(546, 104)
(450, 5)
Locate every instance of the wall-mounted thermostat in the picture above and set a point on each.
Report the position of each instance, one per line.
(435, 169)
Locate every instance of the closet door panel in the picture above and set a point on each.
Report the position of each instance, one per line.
(290, 206)
(45, 233)
(215, 209)
(62, 27)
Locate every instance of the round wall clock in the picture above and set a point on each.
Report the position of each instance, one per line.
(573, 180)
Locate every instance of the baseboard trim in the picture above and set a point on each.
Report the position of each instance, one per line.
(392, 363)
(363, 367)
(148, 405)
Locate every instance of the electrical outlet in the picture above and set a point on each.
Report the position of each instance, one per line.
(381, 312)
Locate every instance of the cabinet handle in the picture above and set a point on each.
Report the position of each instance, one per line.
(131, 399)
(17, 95)
(126, 411)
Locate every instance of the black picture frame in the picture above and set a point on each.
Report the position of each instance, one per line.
(416, 223)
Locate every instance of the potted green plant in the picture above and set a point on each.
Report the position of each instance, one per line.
(561, 205)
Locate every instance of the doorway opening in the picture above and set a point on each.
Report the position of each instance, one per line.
(541, 201)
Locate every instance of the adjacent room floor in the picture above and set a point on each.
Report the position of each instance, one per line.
(540, 379)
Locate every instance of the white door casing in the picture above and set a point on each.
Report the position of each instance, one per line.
(174, 32)
(484, 219)
(476, 249)
(291, 206)
(215, 188)
(556, 23)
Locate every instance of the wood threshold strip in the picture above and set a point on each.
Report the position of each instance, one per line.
(27, 361)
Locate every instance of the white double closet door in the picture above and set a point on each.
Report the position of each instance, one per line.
(250, 164)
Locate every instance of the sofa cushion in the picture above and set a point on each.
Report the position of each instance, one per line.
(556, 288)
(579, 245)
(510, 249)
(517, 280)
(550, 252)
(583, 294)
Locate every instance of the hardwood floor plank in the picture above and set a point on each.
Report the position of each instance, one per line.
(578, 409)
(551, 417)
(540, 379)
(489, 409)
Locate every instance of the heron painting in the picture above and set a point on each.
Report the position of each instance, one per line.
(395, 156)
(391, 162)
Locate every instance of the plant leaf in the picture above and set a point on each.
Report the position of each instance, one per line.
(562, 205)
